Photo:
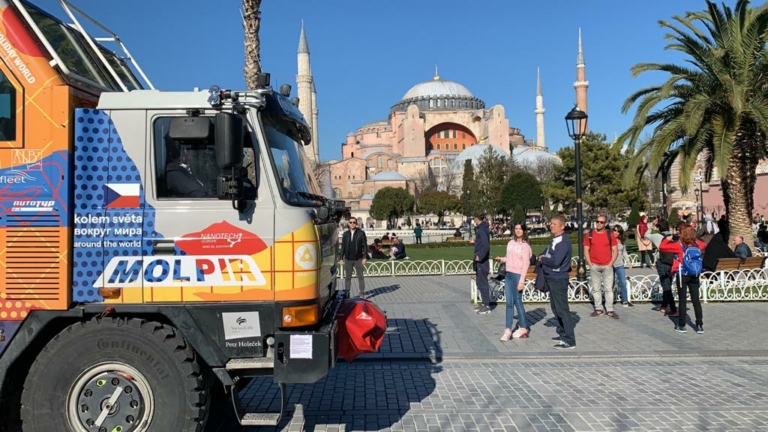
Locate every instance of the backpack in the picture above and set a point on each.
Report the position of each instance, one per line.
(691, 263)
(610, 237)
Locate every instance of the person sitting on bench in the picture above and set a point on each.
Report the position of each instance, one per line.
(397, 251)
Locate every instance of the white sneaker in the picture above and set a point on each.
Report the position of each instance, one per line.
(507, 335)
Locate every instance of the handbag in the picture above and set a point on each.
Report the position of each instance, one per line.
(474, 266)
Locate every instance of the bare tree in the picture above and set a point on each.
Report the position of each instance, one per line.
(251, 25)
(427, 181)
(542, 168)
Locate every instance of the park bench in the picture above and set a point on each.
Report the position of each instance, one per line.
(729, 264)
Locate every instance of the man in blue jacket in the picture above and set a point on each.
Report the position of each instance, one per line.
(556, 264)
(482, 244)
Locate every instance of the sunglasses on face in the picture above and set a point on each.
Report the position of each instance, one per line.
(601, 222)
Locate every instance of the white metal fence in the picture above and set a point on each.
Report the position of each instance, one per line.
(737, 285)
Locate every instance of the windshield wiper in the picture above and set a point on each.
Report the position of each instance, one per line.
(311, 196)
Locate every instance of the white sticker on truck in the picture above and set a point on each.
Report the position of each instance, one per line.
(241, 325)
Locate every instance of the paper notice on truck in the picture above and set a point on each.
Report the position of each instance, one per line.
(301, 347)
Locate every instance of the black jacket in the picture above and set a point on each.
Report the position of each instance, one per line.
(354, 248)
(482, 242)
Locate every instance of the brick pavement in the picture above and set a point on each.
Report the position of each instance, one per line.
(726, 394)
(420, 309)
(443, 368)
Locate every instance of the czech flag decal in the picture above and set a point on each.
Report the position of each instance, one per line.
(122, 195)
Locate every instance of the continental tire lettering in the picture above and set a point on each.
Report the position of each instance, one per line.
(156, 364)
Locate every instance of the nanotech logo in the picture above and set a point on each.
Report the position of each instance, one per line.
(241, 321)
(221, 238)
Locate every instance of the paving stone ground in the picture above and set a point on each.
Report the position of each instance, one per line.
(443, 368)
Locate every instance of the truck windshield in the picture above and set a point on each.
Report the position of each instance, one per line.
(294, 172)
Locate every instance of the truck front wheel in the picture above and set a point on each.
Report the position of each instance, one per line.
(115, 375)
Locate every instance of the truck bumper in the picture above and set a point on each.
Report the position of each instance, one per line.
(305, 357)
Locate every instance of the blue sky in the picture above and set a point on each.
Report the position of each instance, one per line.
(367, 54)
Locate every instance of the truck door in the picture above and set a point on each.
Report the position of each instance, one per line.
(203, 250)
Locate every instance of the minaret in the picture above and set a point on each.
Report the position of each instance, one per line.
(539, 112)
(304, 84)
(315, 127)
(581, 82)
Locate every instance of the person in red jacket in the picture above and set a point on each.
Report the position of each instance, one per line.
(685, 282)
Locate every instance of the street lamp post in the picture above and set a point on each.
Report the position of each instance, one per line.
(698, 215)
(700, 194)
(576, 121)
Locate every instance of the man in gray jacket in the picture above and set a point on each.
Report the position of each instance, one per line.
(482, 244)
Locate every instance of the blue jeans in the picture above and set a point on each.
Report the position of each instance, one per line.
(514, 297)
(620, 277)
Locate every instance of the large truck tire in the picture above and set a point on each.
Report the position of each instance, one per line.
(116, 375)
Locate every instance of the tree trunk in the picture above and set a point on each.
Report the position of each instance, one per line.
(738, 192)
(251, 25)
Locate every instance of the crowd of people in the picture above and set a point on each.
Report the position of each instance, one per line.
(684, 252)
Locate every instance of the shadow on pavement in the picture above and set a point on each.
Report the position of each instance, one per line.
(369, 294)
(363, 395)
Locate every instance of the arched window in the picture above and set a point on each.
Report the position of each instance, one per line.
(379, 161)
(391, 164)
(463, 146)
(455, 146)
(438, 146)
(370, 163)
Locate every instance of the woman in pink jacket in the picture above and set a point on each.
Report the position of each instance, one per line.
(517, 261)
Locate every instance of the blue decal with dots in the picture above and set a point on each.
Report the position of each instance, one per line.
(111, 217)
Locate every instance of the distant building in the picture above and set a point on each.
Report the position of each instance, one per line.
(431, 130)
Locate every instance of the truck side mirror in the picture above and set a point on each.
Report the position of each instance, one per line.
(229, 140)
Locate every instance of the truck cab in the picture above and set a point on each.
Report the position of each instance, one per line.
(159, 248)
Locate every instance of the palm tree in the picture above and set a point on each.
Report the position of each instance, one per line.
(713, 108)
(251, 25)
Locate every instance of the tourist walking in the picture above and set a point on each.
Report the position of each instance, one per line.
(688, 265)
(354, 246)
(619, 273)
(482, 242)
(600, 251)
(517, 261)
(664, 270)
(556, 266)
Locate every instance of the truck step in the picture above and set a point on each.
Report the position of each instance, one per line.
(260, 418)
(251, 363)
(254, 419)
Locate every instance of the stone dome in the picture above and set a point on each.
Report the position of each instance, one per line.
(437, 88)
(474, 153)
(439, 95)
(533, 156)
(389, 176)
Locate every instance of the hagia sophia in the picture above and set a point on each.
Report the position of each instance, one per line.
(437, 125)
